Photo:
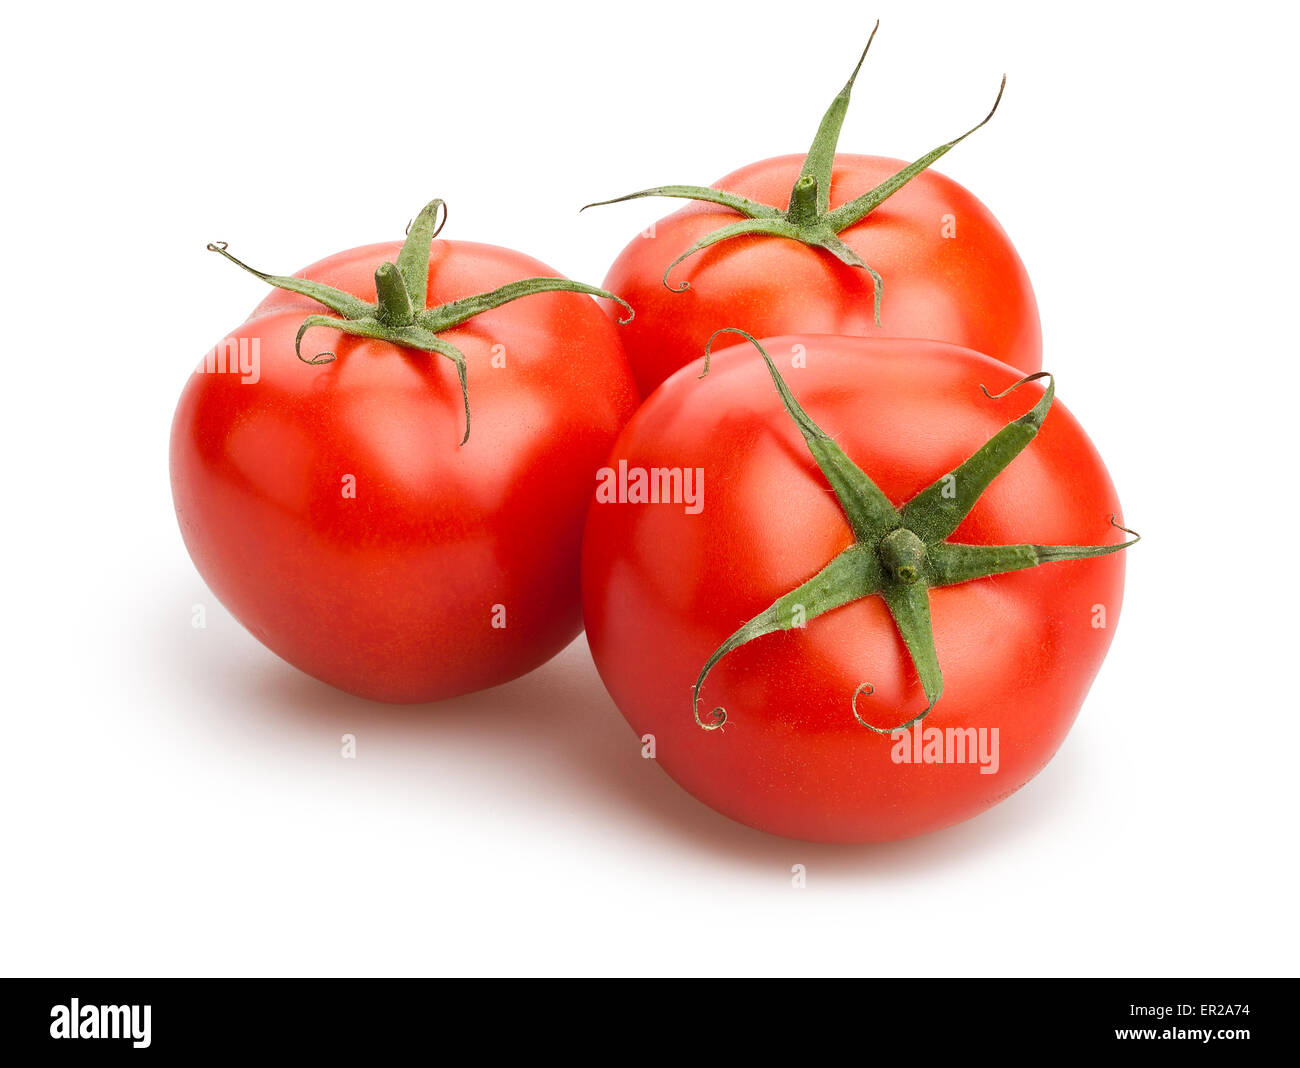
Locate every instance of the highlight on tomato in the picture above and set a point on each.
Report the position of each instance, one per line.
(827, 244)
(883, 601)
(338, 498)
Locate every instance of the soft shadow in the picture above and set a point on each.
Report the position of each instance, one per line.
(557, 730)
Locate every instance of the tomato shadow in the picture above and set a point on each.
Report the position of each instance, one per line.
(553, 740)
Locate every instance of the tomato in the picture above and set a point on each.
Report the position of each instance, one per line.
(826, 243)
(332, 507)
(970, 289)
(806, 747)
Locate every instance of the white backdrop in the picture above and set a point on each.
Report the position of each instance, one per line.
(174, 799)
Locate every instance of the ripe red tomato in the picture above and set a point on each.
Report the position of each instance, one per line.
(826, 243)
(335, 512)
(949, 272)
(664, 585)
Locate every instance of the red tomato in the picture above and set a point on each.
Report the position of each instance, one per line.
(334, 511)
(949, 272)
(665, 585)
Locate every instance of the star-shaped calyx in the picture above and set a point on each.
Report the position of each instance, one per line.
(807, 218)
(900, 554)
(400, 315)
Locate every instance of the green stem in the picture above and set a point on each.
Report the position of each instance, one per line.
(807, 217)
(903, 555)
(803, 201)
(821, 155)
(399, 314)
(394, 301)
(413, 260)
(900, 554)
(849, 577)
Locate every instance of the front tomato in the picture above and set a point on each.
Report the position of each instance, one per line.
(334, 509)
(753, 591)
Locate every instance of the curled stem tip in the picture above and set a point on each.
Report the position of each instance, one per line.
(631, 314)
(708, 345)
(320, 357)
(222, 248)
(1015, 385)
(438, 206)
(867, 689)
(1120, 526)
(717, 717)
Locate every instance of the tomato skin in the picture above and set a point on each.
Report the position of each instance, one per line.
(662, 589)
(389, 594)
(970, 290)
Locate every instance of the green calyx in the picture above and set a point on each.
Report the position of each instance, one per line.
(808, 218)
(400, 314)
(900, 554)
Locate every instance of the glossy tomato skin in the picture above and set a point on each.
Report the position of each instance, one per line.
(969, 289)
(662, 589)
(392, 593)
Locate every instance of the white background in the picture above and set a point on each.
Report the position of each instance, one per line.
(174, 800)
